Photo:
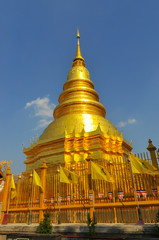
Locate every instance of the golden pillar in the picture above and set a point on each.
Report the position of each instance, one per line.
(18, 195)
(90, 185)
(18, 190)
(115, 213)
(42, 194)
(6, 192)
(151, 148)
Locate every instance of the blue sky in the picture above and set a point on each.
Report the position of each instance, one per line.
(120, 44)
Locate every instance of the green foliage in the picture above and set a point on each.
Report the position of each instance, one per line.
(156, 229)
(91, 225)
(157, 217)
(45, 225)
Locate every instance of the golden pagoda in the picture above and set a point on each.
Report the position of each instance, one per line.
(80, 126)
(111, 183)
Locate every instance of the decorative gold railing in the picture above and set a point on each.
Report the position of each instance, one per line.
(76, 210)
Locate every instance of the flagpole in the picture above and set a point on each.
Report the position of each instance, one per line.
(9, 197)
(138, 208)
(94, 213)
(59, 216)
(30, 220)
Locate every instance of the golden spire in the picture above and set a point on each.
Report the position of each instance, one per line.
(79, 95)
(78, 52)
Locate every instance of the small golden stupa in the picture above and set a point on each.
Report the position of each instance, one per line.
(80, 126)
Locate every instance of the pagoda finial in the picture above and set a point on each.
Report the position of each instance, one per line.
(78, 35)
(78, 52)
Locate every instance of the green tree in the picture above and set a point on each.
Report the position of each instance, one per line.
(157, 217)
(45, 225)
(91, 225)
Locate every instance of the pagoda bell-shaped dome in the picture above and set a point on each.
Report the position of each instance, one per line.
(79, 105)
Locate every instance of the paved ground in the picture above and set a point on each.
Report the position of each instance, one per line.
(113, 231)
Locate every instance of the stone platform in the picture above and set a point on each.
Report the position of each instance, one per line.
(76, 231)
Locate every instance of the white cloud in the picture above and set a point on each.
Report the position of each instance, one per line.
(132, 121)
(43, 123)
(122, 124)
(43, 108)
(129, 121)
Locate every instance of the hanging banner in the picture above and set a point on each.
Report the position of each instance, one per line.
(91, 196)
(1, 186)
(138, 193)
(144, 193)
(74, 195)
(101, 195)
(60, 199)
(155, 192)
(44, 200)
(120, 195)
(5, 219)
(81, 195)
(52, 200)
(69, 198)
(110, 195)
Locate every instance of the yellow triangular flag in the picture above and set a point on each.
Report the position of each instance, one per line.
(149, 166)
(13, 189)
(140, 166)
(67, 176)
(99, 172)
(36, 180)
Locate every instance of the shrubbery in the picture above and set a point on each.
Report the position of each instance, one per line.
(45, 224)
(157, 217)
(91, 225)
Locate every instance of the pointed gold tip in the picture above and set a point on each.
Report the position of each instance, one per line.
(78, 52)
(78, 35)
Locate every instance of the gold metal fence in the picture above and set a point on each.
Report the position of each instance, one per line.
(108, 210)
